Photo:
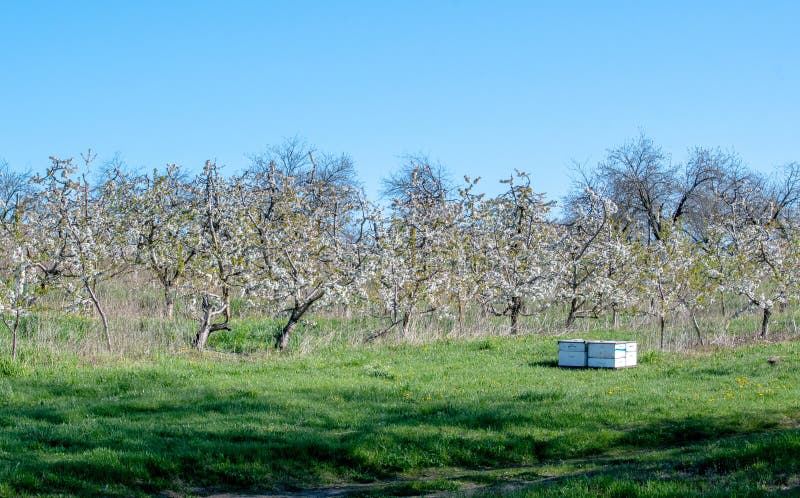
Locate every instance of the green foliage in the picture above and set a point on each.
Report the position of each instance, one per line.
(247, 336)
(8, 368)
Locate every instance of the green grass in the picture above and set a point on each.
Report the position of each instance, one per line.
(490, 416)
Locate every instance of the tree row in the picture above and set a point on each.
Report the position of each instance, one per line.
(639, 234)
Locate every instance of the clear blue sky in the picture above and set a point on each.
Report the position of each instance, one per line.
(483, 87)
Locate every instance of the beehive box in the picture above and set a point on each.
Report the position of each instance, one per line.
(611, 354)
(572, 353)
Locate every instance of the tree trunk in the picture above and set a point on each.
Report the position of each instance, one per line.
(515, 310)
(12, 327)
(765, 322)
(169, 302)
(14, 337)
(226, 302)
(697, 329)
(283, 338)
(205, 332)
(573, 308)
(201, 337)
(461, 315)
(99, 308)
(206, 325)
(297, 313)
(615, 318)
(405, 325)
(662, 325)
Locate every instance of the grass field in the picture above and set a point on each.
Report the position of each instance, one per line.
(481, 417)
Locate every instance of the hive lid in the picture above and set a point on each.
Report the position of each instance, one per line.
(592, 341)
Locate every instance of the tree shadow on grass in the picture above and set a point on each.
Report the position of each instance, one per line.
(240, 440)
(544, 364)
(746, 464)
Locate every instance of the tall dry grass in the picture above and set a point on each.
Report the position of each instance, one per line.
(139, 329)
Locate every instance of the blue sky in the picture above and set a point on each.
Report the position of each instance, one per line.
(482, 87)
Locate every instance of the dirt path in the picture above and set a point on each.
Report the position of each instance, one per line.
(492, 481)
(459, 482)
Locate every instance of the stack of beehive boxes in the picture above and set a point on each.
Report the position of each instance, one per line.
(597, 354)
(572, 353)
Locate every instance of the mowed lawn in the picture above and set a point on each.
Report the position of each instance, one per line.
(486, 417)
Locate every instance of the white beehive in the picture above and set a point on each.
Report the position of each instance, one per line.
(572, 353)
(631, 351)
(611, 354)
(606, 362)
